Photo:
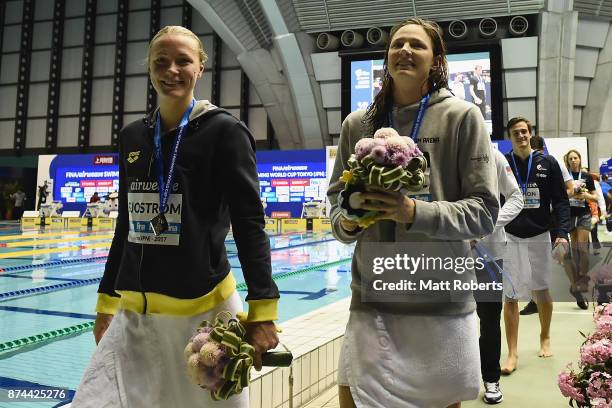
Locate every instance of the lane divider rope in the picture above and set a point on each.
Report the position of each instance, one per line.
(80, 328)
(46, 337)
(47, 289)
(285, 275)
(51, 264)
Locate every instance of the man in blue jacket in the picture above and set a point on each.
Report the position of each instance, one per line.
(529, 256)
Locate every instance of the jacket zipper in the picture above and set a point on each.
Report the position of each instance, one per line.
(139, 275)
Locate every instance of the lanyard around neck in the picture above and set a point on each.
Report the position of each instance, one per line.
(418, 120)
(518, 173)
(164, 187)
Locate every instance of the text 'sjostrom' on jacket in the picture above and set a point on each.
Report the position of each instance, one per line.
(185, 271)
(463, 190)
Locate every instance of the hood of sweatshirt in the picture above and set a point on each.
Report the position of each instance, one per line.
(200, 108)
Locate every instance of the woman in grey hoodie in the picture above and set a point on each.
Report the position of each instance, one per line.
(414, 344)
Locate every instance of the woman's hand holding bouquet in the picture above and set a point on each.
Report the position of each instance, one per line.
(382, 169)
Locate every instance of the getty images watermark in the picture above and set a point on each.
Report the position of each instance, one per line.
(455, 271)
(426, 272)
(406, 264)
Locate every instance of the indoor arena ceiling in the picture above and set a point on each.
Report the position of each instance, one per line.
(331, 15)
(597, 8)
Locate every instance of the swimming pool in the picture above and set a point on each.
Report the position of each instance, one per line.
(51, 289)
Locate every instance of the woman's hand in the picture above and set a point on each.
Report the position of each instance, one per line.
(103, 320)
(393, 205)
(348, 225)
(263, 337)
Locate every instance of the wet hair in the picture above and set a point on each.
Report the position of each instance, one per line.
(376, 114)
(516, 120)
(537, 142)
(178, 30)
(566, 157)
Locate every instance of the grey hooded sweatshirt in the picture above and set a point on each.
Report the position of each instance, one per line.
(463, 188)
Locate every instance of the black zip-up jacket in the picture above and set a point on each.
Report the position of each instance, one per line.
(186, 271)
(546, 176)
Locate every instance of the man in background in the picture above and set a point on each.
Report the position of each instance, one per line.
(537, 144)
(478, 90)
(19, 196)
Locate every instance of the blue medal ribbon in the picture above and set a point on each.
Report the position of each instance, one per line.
(482, 253)
(164, 188)
(518, 173)
(418, 120)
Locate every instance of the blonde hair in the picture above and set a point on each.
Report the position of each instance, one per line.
(178, 30)
(566, 157)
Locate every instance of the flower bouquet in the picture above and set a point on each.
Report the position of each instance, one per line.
(580, 187)
(592, 386)
(387, 160)
(220, 360)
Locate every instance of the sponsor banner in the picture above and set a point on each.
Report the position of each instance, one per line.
(105, 160)
(271, 226)
(281, 214)
(74, 222)
(299, 182)
(293, 225)
(321, 225)
(105, 223)
(30, 222)
(55, 222)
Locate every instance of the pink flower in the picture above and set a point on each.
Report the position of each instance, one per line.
(211, 353)
(379, 154)
(566, 385)
(598, 335)
(596, 353)
(600, 385)
(600, 403)
(199, 340)
(602, 310)
(409, 142)
(208, 378)
(399, 159)
(397, 144)
(604, 323)
(385, 133)
(364, 147)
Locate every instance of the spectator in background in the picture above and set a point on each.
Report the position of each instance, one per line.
(601, 213)
(457, 87)
(94, 198)
(605, 185)
(42, 194)
(577, 265)
(19, 196)
(478, 91)
(528, 251)
(537, 143)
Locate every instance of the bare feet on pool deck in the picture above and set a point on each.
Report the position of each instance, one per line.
(545, 347)
(510, 365)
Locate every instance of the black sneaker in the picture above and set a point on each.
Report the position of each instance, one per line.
(493, 394)
(579, 300)
(530, 308)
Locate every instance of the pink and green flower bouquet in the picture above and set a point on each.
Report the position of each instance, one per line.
(387, 161)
